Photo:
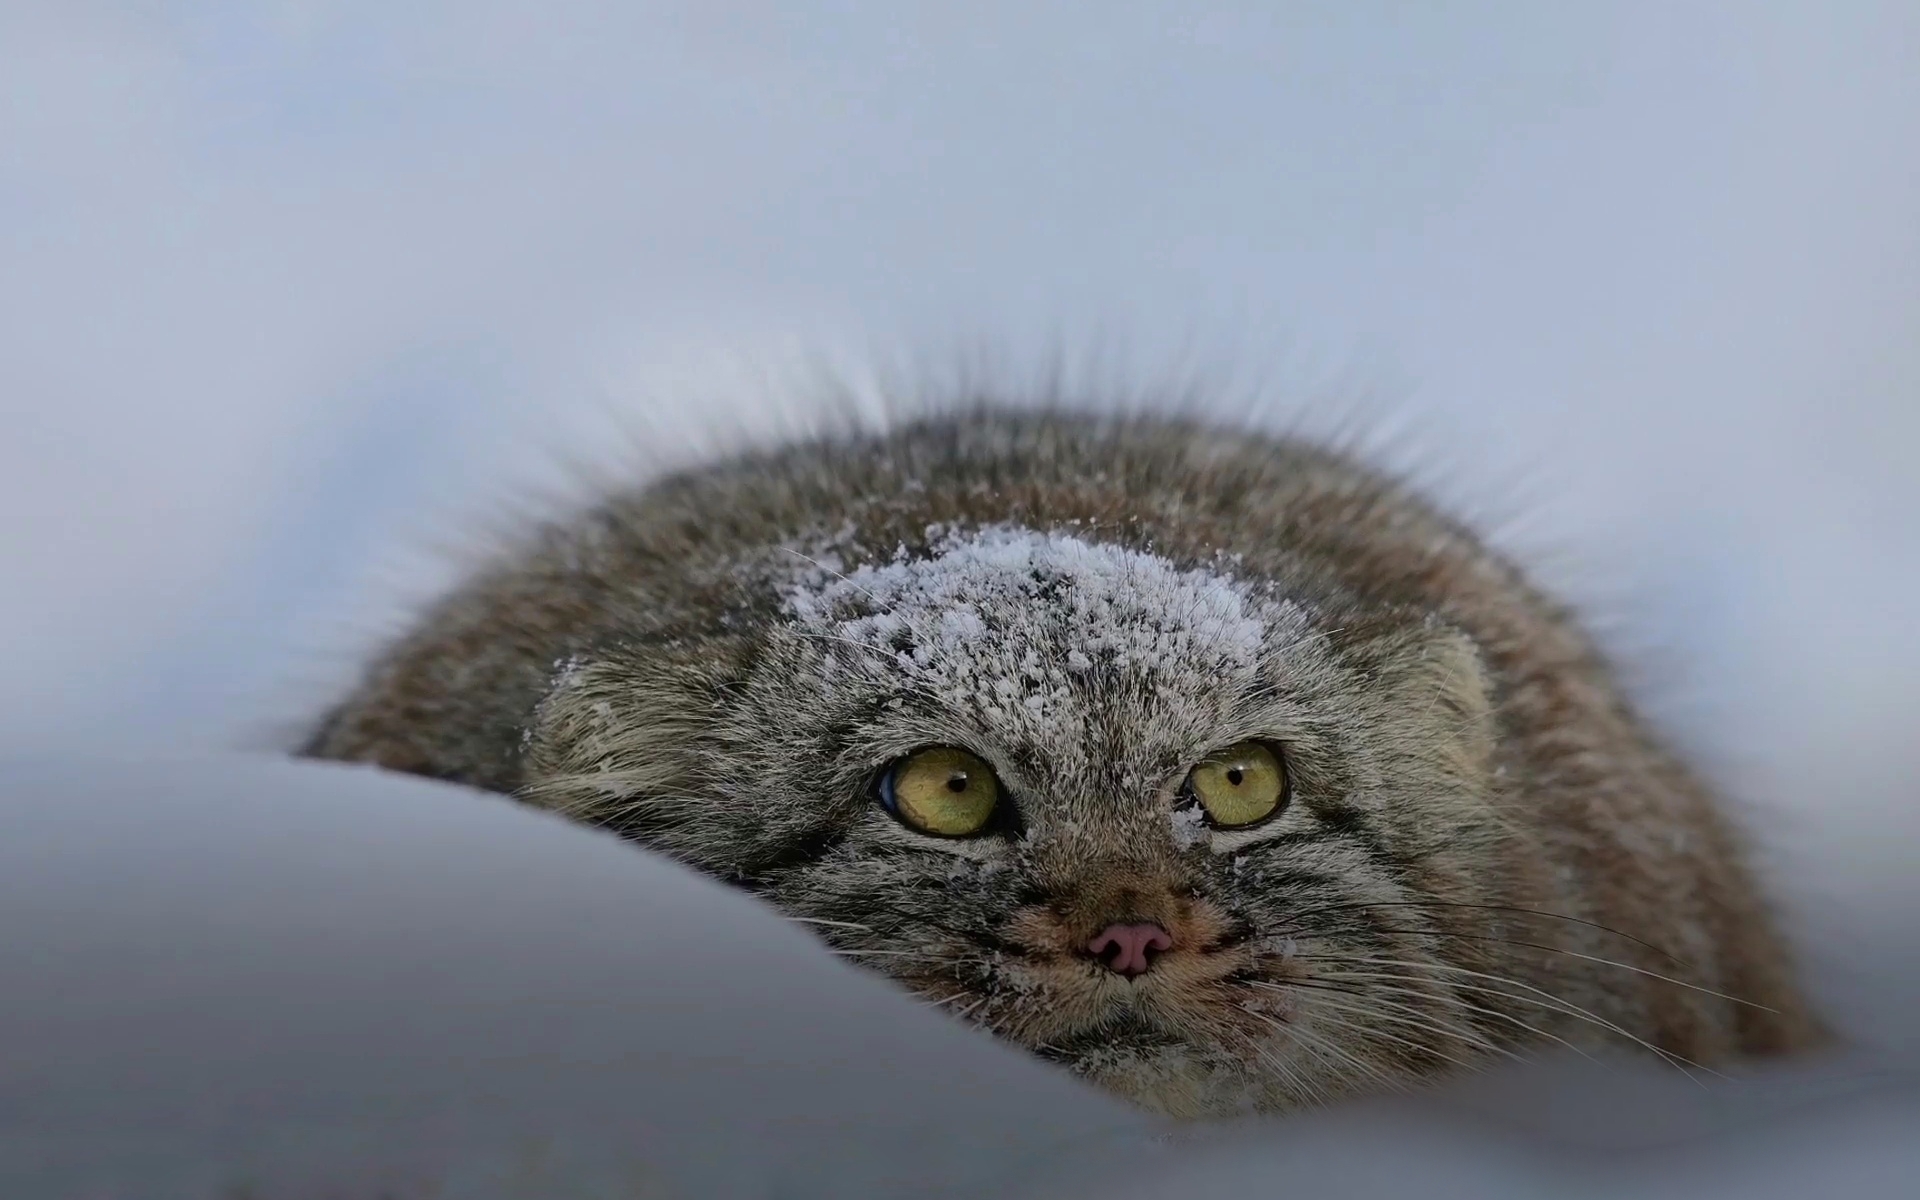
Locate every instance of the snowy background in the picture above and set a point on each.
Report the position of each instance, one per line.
(287, 287)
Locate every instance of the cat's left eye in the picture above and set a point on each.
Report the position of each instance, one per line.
(942, 790)
(1240, 785)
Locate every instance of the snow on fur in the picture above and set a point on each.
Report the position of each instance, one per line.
(1003, 618)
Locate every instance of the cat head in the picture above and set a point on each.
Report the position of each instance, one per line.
(1207, 843)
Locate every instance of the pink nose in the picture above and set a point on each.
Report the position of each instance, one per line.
(1129, 949)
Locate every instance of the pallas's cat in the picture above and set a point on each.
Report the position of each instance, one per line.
(1216, 768)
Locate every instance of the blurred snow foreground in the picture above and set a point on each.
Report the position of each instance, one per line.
(237, 977)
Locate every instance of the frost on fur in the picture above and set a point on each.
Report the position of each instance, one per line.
(941, 624)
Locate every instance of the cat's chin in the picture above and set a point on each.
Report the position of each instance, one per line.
(1158, 1069)
(1174, 1078)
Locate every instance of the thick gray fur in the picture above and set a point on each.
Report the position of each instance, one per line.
(1485, 852)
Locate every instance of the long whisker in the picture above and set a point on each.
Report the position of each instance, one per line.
(1472, 1006)
(1605, 962)
(1677, 1061)
(1374, 1031)
(1548, 1000)
(1397, 1000)
(1372, 1011)
(1319, 1045)
(1300, 1084)
(1532, 912)
(1384, 997)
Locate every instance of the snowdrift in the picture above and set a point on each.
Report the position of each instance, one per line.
(232, 977)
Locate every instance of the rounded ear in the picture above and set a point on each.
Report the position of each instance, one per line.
(1430, 703)
(1440, 683)
(622, 728)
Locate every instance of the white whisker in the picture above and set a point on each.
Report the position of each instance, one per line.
(1545, 1000)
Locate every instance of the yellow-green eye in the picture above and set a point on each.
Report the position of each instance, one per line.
(1239, 785)
(941, 790)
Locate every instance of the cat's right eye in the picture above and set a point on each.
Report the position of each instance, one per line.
(942, 790)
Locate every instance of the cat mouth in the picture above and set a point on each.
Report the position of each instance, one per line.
(1147, 1018)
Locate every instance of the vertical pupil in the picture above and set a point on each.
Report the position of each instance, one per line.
(1235, 775)
(957, 782)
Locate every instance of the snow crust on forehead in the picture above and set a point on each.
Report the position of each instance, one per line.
(1006, 615)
